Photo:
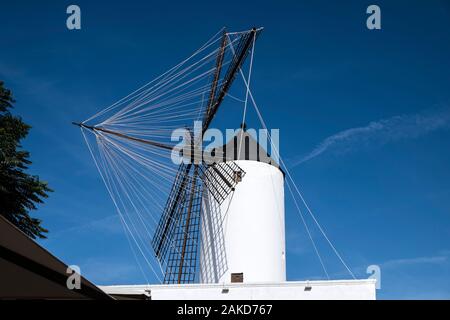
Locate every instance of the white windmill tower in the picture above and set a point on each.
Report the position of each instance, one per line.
(243, 238)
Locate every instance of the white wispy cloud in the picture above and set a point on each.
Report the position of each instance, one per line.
(396, 263)
(380, 132)
(109, 271)
(438, 258)
(106, 225)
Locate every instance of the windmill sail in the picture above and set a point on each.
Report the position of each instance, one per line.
(183, 241)
(179, 223)
(133, 145)
(176, 239)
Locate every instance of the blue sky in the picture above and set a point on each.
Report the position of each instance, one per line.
(364, 120)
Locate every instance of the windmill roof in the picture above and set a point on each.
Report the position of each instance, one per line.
(243, 146)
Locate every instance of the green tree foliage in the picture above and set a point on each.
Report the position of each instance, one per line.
(20, 192)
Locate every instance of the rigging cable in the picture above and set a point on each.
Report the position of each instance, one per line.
(292, 180)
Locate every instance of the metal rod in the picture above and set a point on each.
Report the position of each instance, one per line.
(229, 78)
(124, 136)
(219, 62)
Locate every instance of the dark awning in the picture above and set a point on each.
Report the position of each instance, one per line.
(28, 271)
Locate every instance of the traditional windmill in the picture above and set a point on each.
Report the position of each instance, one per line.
(222, 217)
(199, 189)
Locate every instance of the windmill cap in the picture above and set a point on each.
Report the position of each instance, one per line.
(243, 146)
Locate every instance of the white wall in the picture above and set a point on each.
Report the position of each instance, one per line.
(292, 290)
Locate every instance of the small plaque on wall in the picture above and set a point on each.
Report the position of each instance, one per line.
(237, 277)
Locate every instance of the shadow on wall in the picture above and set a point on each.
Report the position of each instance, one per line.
(213, 258)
